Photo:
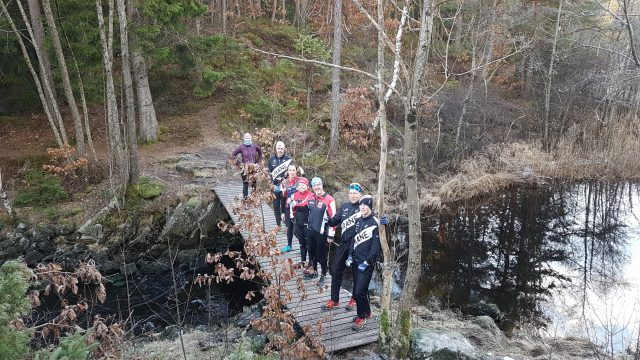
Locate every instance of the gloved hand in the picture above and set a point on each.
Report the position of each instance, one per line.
(330, 239)
(349, 261)
(363, 266)
(384, 220)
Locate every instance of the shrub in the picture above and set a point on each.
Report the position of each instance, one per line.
(72, 347)
(14, 277)
(41, 190)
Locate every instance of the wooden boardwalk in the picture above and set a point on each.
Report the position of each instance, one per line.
(337, 333)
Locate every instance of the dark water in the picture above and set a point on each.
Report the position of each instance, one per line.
(153, 302)
(565, 259)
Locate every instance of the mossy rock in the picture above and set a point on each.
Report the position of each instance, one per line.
(149, 187)
(194, 202)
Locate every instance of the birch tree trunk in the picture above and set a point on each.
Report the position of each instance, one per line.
(116, 145)
(38, 40)
(548, 80)
(146, 109)
(129, 103)
(36, 79)
(488, 50)
(64, 73)
(45, 75)
(5, 199)
(414, 265)
(467, 97)
(335, 77)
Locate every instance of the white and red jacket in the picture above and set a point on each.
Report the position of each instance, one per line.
(321, 209)
(298, 207)
(288, 188)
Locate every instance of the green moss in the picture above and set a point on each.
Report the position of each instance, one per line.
(404, 322)
(41, 189)
(148, 188)
(385, 323)
(194, 202)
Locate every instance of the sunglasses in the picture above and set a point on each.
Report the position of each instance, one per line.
(355, 187)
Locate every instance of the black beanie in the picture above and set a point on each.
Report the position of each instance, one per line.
(367, 200)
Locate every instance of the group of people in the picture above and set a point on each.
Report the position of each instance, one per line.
(313, 218)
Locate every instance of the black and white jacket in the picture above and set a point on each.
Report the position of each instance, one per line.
(278, 168)
(366, 242)
(346, 220)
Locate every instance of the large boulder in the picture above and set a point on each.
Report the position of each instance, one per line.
(183, 223)
(483, 309)
(439, 344)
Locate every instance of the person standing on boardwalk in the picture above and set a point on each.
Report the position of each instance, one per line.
(251, 155)
(288, 188)
(365, 251)
(278, 165)
(345, 218)
(322, 207)
(300, 216)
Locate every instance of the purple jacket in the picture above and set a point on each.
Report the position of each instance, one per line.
(250, 154)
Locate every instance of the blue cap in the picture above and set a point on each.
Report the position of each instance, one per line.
(316, 181)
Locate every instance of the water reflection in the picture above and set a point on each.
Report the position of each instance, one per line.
(547, 256)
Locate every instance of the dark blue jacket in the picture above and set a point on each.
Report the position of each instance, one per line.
(366, 243)
(346, 219)
(278, 168)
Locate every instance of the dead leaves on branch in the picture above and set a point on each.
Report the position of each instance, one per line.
(62, 281)
(64, 161)
(278, 281)
(357, 114)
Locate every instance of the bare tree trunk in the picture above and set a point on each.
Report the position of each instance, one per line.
(36, 79)
(45, 75)
(224, 17)
(410, 152)
(335, 77)
(467, 97)
(296, 15)
(283, 12)
(129, 103)
(38, 40)
(4, 197)
(549, 78)
(274, 11)
(66, 83)
(488, 53)
(146, 109)
(116, 145)
(387, 269)
(629, 26)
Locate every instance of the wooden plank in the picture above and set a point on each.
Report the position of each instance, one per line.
(305, 305)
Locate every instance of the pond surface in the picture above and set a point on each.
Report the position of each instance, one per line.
(565, 259)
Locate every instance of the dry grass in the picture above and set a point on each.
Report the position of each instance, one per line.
(584, 153)
(524, 345)
(197, 347)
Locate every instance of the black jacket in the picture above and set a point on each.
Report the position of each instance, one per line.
(278, 168)
(366, 243)
(346, 218)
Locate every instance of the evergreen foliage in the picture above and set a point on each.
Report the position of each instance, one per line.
(14, 282)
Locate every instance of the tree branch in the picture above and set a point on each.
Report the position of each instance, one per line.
(378, 27)
(625, 5)
(322, 63)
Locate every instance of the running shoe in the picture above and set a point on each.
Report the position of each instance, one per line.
(330, 305)
(351, 305)
(359, 324)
